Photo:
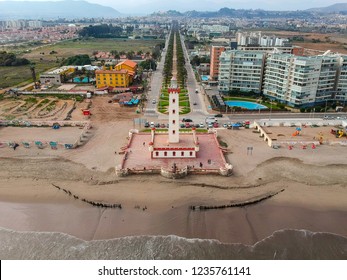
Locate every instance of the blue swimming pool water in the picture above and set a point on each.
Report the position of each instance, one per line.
(204, 77)
(245, 104)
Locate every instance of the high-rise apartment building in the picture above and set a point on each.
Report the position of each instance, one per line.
(214, 62)
(293, 80)
(241, 70)
(328, 77)
(301, 80)
(341, 84)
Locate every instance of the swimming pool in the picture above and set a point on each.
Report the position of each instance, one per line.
(205, 78)
(245, 104)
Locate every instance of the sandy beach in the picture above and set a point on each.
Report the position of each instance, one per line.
(314, 196)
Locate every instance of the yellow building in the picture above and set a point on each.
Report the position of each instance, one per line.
(112, 78)
(121, 76)
(128, 65)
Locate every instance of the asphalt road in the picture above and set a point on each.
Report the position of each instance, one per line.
(198, 112)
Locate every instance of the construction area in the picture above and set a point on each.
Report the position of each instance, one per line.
(301, 133)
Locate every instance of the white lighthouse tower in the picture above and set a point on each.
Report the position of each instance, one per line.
(174, 126)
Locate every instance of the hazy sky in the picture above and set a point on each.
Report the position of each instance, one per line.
(149, 6)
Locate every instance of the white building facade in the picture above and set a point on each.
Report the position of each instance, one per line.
(341, 84)
(241, 70)
(297, 80)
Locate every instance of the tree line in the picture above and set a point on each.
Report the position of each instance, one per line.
(105, 31)
(10, 59)
(80, 59)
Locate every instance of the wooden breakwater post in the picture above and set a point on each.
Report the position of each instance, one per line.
(93, 203)
(236, 204)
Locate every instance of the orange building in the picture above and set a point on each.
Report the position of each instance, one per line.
(214, 64)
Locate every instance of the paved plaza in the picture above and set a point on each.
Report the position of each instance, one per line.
(139, 156)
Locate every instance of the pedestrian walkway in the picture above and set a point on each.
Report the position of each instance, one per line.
(198, 110)
(150, 113)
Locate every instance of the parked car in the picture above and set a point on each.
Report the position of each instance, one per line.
(187, 120)
(210, 125)
(210, 120)
(152, 124)
(196, 90)
(163, 125)
(157, 125)
(146, 124)
(218, 116)
(215, 125)
(197, 125)
(187, 125)
(225, 125)
(182, 125)
(201, 125)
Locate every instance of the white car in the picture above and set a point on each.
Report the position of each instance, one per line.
(201, 125)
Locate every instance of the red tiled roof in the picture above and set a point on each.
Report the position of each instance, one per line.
(128, 62)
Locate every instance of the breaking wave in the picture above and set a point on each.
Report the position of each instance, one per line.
(284, 244)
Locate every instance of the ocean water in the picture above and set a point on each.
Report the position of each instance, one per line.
(283, 244)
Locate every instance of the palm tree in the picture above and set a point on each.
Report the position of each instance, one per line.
(33, 73)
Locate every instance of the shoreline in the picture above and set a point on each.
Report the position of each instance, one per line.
(242, 225)
(314, 196)
(162, 208)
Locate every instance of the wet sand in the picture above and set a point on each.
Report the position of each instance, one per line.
(162, 208)
(314, 197)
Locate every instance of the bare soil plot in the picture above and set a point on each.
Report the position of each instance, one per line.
(102, 111)
(35, 108)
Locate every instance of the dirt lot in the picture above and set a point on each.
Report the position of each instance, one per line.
(324, 42)
(51, 108)
(284, 134)
(34, 108)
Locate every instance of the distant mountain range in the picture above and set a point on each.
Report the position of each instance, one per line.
(54, 10)
(82, 9)
(248, 13)
(335, 8)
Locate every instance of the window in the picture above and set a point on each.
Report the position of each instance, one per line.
(173, 111)
(174, 121)
(182, 154)
(174, 131)
(165, 154)
(174, 154)
(157, 153)
(190, 153)
(173, 100)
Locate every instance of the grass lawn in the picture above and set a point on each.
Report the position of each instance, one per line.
(240, 98)
(163, 103)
